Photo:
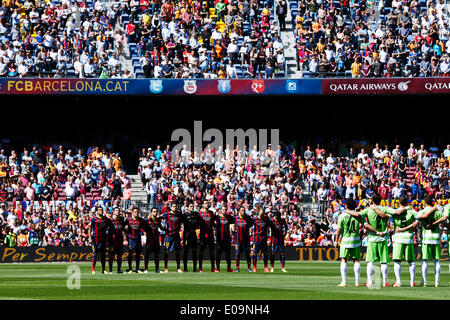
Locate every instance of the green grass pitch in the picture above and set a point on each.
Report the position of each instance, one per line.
(304, 281)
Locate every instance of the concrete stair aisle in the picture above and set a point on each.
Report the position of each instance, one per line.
(125, 60)
(288, 38)
(137, 193)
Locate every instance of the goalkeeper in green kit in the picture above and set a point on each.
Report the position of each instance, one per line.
(430, 218)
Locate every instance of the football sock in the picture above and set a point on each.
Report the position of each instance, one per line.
(357, 270)
(103, 261)
(218, 260)
(397, 271)
(185, 258)
(344, 271)
(369, 272)
(437, 271)
(412, 271)
(130, 260)
(194, 258)
(157, 262)
(424, 271)
(178, 257)
(138, 259)
(119, 261)
(228, 258)
(146, 260)
(211, 257)
(384, 272)
(249, 261)
(110, 261)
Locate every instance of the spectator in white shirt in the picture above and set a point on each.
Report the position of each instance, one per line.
(22, 70)
(231, 70)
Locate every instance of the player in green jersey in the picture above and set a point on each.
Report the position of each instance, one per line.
(377, 250)
(350, 241)
(380, 233)
(430, 218)
(403, 239)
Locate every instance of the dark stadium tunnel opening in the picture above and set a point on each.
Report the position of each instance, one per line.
(131, 123)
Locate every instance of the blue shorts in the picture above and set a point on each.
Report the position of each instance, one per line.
(224, 246)
(260, 247)
(242, 248)
(279, 247)
(206, 242)
(134, 244)
(172, 242)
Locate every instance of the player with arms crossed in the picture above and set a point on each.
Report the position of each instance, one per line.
(222, 224)
(152, 245)
(278, 231)
(377, 249)
(349, 228)
(207, 235)
(430, 218)
(261, 225)
(191, 222)
(116, 242)
(99, 225)
(172, 240)
(242, 225)
(403, 238)
(133, 227)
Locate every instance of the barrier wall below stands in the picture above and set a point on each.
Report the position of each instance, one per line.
(84, 254)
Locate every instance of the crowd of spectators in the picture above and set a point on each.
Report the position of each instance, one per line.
(60, 38)
(223, 38)
(205, 39)
(166, 39)
(49, 173)
(367, 38)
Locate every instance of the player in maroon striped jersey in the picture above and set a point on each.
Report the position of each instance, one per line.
(116, 240)
(261, 225)
(223, 238)
(98, 226)
(278, 232)
(152, 245)
(206, 236)
(242, 225)
(133, 226)
(172, 241)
